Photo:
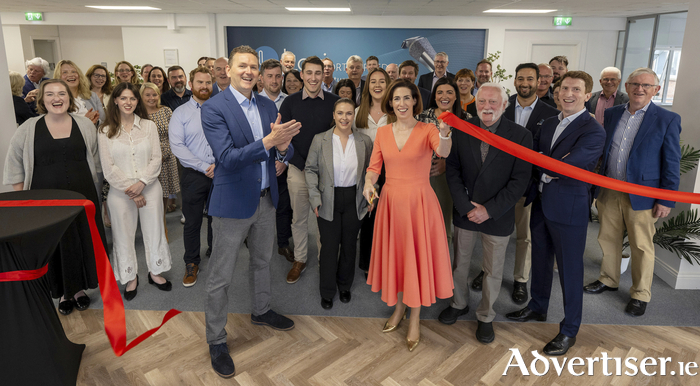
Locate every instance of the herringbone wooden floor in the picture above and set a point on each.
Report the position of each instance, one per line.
(354, 351)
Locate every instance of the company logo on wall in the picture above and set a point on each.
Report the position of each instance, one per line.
(465, 47)
(265, 53)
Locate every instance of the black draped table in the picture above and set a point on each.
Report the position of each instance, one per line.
(34, 349)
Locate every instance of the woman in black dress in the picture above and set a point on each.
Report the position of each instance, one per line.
(59, 151)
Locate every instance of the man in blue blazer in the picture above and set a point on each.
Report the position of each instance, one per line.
(221, 78)
(560, 211)
(246, 137)
(642, 147)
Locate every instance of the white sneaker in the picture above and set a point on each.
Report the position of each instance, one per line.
(182, 219)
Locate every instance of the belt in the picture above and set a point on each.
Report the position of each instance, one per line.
(264, 192)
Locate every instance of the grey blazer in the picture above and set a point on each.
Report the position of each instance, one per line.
(95, 104)
(620, 99)
(319, 172)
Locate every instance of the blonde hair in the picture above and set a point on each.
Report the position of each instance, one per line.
(83, 84)
(153, 87)
(16, 83)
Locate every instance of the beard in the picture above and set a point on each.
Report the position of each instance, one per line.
(202, 94)
(525, 92)
(495, 113)
(179, 87)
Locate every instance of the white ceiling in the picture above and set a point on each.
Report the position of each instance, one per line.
(598, 8)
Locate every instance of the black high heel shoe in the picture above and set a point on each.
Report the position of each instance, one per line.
(129, 295)
(167, 286)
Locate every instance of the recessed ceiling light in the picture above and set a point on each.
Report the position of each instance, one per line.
(298, 9)
(123, 7)
(498, 10)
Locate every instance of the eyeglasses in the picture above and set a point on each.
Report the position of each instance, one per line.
(99, 76)
(645, 86)
(440, 62)
(123, 70)
(546, 76)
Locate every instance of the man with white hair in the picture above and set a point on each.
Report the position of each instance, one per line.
(288, 60)
(561, 208)
(485, 183)
(36, 69)
(427, 81)
(610, 79)
(642, 147)
(354, 69)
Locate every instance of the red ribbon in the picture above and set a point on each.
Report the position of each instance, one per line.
(24, 275)
(563, 168)
(114, 317)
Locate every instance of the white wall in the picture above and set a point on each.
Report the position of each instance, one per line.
(36, 31)
(596, 49)
(146, 44)
(88, 45)
(12, 38)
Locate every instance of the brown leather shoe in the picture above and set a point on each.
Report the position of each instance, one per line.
(287, 252)
(295, 272)
(190, 278)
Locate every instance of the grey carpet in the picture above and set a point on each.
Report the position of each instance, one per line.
(668, 307)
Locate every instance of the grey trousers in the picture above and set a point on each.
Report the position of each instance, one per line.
(494, 256)
(228, 235)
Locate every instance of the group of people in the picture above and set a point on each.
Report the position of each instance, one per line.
(368, 156)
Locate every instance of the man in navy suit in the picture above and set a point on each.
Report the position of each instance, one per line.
(221, 78)
(560, 211)
(246, 137)
(427, 81)
(642, 147)
(36, 69)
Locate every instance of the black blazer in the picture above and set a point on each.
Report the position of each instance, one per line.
(425, 97)
(541, 112)
(426, 80)
(498, 184)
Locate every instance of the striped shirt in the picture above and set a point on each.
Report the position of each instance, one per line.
(622, 141)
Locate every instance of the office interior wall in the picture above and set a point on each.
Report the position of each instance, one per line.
(88, 45)
(596, 49)
(191, 44)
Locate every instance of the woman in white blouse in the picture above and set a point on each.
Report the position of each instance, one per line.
(335, 165)
(368, 118)
(88, 103)
(131, 158)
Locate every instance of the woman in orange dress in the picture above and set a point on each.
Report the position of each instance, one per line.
(410, 261)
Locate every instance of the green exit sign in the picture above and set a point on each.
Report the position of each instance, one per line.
(34, 16)
(562, 21)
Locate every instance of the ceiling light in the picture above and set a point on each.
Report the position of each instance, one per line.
(298, 9)
(123, 7)
(497, 10)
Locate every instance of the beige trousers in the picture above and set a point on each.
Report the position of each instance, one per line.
(616, 214)
(523, 244)
(299, 196)
(494, 256)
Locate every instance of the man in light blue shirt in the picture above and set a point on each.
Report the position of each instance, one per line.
(189, 145)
